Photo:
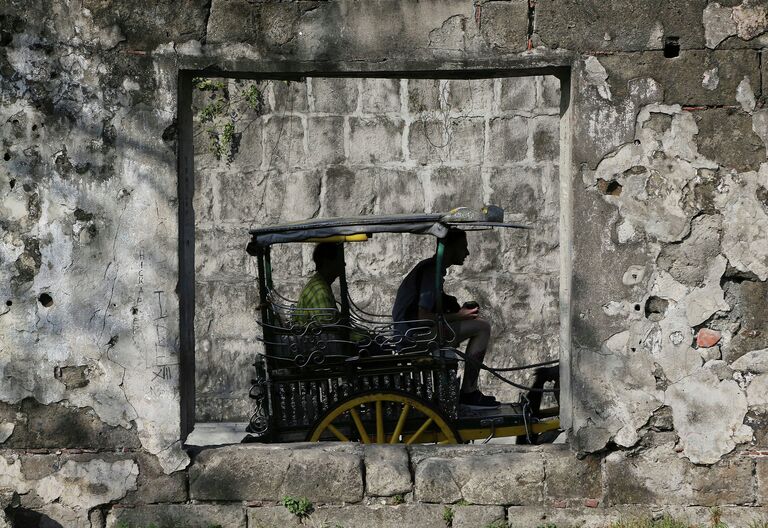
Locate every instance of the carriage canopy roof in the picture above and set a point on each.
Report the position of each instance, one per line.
(359, 227)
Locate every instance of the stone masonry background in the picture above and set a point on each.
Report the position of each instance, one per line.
(339, 147)
(661, 240)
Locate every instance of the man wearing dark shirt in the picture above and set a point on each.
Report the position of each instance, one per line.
(417, 300)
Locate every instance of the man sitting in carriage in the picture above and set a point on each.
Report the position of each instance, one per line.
(417, 300)
(316, 301)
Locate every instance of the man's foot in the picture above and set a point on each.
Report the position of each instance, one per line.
(477, 399)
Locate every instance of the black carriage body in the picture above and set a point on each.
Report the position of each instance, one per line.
(306, 370)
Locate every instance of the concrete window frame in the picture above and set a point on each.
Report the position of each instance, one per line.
(557, 65)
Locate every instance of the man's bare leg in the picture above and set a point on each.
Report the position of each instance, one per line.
(478, 331)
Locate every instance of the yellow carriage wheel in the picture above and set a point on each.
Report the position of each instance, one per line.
(385, 417)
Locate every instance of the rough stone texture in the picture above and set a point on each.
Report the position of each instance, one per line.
(761, 466)
(321, 474)
(469, 516)
(65, 489)
(504, 25)
(743, 150)
(743, 200)
(510, 478)
(683, 78)
(387, 470)
(752, 334)
(427, 515)
(567, 478)
(755, 361)
(191, 515)
(60, 426)
(153, 485)
(525, 516)
(683, 259)
(659, 476)
(699, 412)
(595, 26)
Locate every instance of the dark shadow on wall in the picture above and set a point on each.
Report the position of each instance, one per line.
(24, 518)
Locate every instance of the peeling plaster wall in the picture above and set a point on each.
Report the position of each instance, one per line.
(667, 198)
(684, 221)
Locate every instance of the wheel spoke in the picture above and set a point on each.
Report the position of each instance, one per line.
(338, 434)
(379, 423)
(434, 427)
(359, 424)
(421, 429)
(400, 424)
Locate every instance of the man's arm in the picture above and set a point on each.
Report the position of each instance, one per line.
(462, 314)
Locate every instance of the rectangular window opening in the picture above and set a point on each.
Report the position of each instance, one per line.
(269, 151)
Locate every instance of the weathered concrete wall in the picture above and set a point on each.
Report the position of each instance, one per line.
(347, 146)
(665, 209)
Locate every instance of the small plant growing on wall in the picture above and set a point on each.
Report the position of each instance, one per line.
(300, 507)
(225, 106)
(448, 516)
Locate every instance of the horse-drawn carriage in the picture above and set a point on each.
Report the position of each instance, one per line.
(349, 375)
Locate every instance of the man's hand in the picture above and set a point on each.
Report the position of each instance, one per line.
(467, 313)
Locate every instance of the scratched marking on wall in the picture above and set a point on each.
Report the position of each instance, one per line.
(160, 356)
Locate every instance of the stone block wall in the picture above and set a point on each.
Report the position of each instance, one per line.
(663, 269)
(324, 147)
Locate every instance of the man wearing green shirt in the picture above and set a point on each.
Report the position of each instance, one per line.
(316, 301)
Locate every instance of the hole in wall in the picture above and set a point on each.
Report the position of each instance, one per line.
(12, 183)
(671, 47)
(7, 156)
(9, 302)
(611, 188)
(656, 308)
(46, 300)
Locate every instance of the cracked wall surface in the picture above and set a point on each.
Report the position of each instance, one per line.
(664, 272)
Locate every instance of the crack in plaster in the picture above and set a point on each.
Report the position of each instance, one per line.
(657, 173)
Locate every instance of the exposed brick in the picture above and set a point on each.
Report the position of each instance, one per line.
(742, 149)
(548, 96)
(707, 338)
(456, 140)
